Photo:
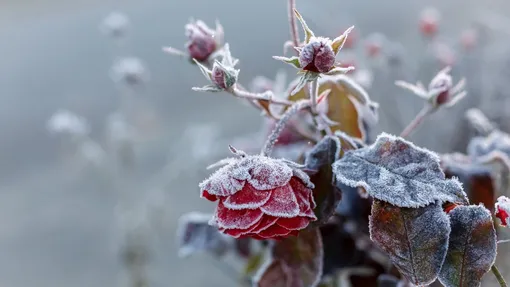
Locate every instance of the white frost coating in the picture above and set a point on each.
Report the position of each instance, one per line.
(263, 173)
(396, 171)
(482, 146)
(282, 203)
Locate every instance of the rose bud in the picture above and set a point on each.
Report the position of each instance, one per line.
(317, 56)
(429, 22)
(502, 208)
(260, 197)
(223, 74)
(201, 43)
(442, 91)
(469, 39)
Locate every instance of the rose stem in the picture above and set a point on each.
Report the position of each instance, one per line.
(427, 110)
(498, 275)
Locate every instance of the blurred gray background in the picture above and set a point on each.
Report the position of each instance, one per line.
(57, 224)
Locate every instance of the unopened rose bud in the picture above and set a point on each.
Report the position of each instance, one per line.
(223, 77)
(317, 56)
(202, 40)
(429, 22)
(469, 39)
(442, 83)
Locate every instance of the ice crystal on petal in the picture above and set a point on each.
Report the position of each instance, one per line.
(282, 203)
(396, 171)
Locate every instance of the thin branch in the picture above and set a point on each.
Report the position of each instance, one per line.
(427, 110)
(267, 96)
(498, 275)
(292, 23)
(503, 241)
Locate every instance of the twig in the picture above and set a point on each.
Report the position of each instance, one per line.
(503, 241)
(498, 275)
(267, 96)
(416, 121)
(292, 23)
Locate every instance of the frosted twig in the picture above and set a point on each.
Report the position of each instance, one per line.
(273, 137)
(503, 241)
(427, 110)
(314, 93)
(266, 96)
(292, 23)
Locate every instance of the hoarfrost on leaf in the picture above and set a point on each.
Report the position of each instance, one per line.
(396, 171)
(416, 239)
(196, 235)
(471, 248)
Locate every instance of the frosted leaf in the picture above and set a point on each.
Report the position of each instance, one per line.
(64, 121)
(471, 249)
(482, 146)
(275, 273)
(263, 173)
(303, 255)
(416, 239)
(318, 161)
(196, 235)
(396, 171)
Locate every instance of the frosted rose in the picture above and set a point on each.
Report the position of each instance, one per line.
(260, 197)
(201, 42)
(317, 56)
(502, 207)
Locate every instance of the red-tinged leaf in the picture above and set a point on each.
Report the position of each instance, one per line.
(471, 248)
(274, 274)
(477, 179)
(318, 162)
(416, 239)
(303, 255)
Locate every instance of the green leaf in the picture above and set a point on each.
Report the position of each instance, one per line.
(416, 239)
(471, 249)
(339, 41)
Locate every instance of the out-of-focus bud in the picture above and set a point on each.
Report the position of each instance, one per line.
(317, 56)
(429, 21)
(64, 121)
(374, 44)
(202, 40)
(442, 84)
(469, 39)
(130, 70)
(115, 25)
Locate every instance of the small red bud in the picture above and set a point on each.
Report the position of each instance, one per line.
(429, 21)
(201, 43)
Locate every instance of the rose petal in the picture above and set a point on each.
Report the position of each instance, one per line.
(268, 173)
(236, 233)
(295, 223)
(304, 198)
(274, 231)
(283, 203)
(221, 183)
(247, 198)
(205, 194)
(236, 219)
(264, 223)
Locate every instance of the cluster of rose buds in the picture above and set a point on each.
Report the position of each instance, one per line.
(203, 42)
(502, 208)
(260, 197)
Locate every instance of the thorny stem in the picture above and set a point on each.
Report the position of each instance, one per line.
(292, 23)
(273, 137)
(416, 121)
(498, 275)
(252, 96)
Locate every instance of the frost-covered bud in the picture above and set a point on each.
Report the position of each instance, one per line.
(260, 197)
(201, 40)
(67, 122)
(223, 77)
(130, 70)
(442, 84)
(115, 25)
(317, 56)
(469, 39)
(429, 21)
(502, 208)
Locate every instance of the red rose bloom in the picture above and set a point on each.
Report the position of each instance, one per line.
(260, 197)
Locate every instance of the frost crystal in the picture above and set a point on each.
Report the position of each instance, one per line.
(396, 171)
